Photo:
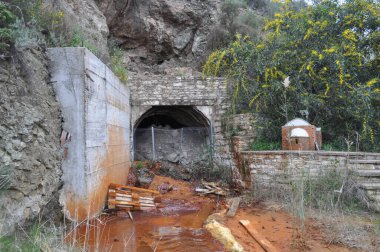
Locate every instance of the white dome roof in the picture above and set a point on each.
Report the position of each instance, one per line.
(297, 122)
(298, 132)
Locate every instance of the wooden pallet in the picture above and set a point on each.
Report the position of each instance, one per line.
(129, 198)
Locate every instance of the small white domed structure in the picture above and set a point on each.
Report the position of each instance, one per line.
(299, 134)
(297, 122)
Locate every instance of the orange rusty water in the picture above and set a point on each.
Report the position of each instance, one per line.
(176, 227)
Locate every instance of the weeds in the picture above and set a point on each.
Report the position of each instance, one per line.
(117, 64)
(24, 36)
(139, 165)
(40, 237)
(34, 23)
(333, 190)
(258, 145)
(78, 40)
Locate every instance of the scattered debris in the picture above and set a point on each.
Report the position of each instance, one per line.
(65, 137)
(223, 235)
(129, 198)
(130, 215)
(234, 206)
(264, 243)
(211, 188)
(165, 187)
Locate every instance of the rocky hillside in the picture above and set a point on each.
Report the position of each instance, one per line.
(84, 18)
(30, 117)
(29, 138)
(157, 34)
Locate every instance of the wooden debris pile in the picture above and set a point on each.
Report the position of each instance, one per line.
(129, 198)
(211, 188)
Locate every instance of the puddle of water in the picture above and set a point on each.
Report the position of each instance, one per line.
(176, 227)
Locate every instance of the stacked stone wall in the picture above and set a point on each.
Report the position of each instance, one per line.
(266, 166)
(208, 95)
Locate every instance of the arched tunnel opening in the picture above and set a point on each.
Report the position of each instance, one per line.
(172, 133)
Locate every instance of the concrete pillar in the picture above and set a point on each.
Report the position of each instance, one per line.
(96, 112)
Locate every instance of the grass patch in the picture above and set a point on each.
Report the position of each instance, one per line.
(334, 190)
(117, 64)
(260, 144)
(40, 237)
(78, 40)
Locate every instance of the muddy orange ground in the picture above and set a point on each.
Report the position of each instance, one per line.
(280, 229)
(275, 225)
(178, 227)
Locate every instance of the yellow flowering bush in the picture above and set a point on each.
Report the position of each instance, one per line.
(331, 53)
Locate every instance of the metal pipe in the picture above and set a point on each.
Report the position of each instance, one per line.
(153, 149)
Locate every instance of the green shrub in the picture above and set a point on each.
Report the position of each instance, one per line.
(37, 23)
(262, 144)
(139, 165)
(24, 36)
(334, 77)
(7, 18)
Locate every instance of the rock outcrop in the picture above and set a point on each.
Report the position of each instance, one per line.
(154, 32)
(85, 18)
(30, 126)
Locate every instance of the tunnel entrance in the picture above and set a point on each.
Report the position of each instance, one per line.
(172, 133)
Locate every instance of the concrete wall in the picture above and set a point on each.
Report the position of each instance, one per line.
(96, 112)
(208, 95)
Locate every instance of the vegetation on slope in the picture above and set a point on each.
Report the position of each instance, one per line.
(329, 51)
(33, 23)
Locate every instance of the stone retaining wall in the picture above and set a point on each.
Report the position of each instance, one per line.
(274, 165)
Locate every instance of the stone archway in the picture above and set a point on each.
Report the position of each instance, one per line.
(172, 133)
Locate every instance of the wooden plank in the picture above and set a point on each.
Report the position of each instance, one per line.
(131, 188)
(234, 207)
(129, 203)
(124, 206)
(129, 195)
(130, 215)
(140, 199)
(264, 243)
(129, 199)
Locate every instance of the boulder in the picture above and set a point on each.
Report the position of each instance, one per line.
(155, 31)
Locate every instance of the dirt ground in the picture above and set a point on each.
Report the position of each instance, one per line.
(178, 226)
(274, 224)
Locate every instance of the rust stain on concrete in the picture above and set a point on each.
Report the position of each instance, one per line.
(113, 168)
